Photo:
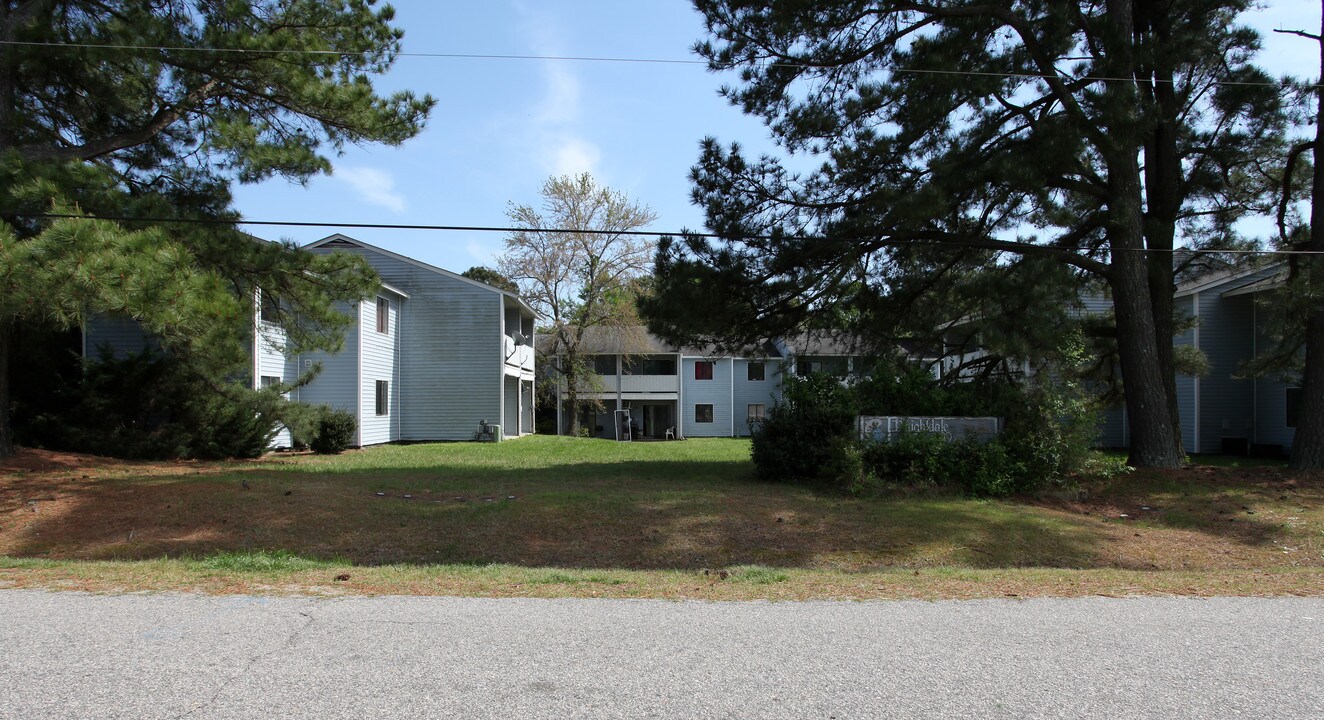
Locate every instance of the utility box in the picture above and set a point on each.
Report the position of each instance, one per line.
(487, 432)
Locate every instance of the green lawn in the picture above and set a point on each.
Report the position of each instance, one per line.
(568, 516)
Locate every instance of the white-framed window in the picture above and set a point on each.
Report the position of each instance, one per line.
(383, 315)
(269, 380)
(270, 307)
(703, 413)
(755, 372)
(383, 397)
(757, 411)
(703, 370)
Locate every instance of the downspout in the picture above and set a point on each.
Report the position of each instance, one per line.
(1255, 379)
(358, 396)
(1195, 305)
(501, 366)
(731, 385)
(680, 395)
(257, 331)
(400, 369)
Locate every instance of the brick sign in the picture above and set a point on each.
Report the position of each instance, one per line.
(883, 428)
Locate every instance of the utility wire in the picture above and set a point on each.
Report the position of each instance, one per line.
(983, 245)
(590, 58)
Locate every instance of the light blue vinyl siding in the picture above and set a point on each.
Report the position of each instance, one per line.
(120, 336)
(1112, 428)
(450, 362)
(1186, 384)
(379, 363)
(1270, 398)
(715, 392)
(510, 419)
(272, 362)
(1225, 401)
(337, 384)
(749, 392)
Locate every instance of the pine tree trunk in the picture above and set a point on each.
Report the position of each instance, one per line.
(1163, 203)
(1308, 445)
(6, 429)
(1153, 428)
(1155, 441)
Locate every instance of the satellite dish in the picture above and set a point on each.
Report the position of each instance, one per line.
(519, 339)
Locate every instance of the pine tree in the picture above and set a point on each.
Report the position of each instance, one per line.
(149, 111)
(957, 140)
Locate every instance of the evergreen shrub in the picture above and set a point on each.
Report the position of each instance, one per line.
(335, 431)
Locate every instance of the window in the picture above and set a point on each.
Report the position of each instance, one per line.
(604, 364)
(703, 370)
(836, 366)
(270, 380)
(755, 373)
(757, 411)
(383, 315)
(703, 413)
(651, 365)
(382, 394)
(270, 306)
(1293, 402)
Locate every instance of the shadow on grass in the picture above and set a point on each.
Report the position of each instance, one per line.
(624, 513)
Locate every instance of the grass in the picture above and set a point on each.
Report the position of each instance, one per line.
(552, 517)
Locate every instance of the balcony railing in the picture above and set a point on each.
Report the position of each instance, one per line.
(520, 356)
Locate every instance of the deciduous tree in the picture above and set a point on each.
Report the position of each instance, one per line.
(577, 264)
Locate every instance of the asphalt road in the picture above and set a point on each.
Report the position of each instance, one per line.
(72, 655)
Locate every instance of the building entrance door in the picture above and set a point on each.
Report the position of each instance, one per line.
(657, 418)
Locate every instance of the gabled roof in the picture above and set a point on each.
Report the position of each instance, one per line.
(341, 240)
(636, 340)
(1228, 279)
(824, 342)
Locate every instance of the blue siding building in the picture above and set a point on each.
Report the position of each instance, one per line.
(429, 357)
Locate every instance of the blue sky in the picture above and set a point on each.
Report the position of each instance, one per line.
(502, 126)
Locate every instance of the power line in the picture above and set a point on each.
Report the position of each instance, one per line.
(983, 245)
(592, 58)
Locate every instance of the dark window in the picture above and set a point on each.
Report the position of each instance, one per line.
(382, 393)
(755, 373)
(703, 413)
(270, 306)
(604, 364)
(383, 315)
(835, 366)
(703, 370)
(651, 365)
(757, 412)
(1293, 397)
(269, 380)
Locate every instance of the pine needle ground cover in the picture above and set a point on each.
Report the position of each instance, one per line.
(555, 517)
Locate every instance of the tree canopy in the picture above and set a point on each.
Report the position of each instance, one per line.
(1031, 148)
(143, 114)
(579, 267)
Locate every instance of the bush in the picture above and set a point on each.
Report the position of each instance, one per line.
(795, 440)
(335, 431)
(150, 406)
(1051, 433)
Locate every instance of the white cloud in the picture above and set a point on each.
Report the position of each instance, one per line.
(556, 127)
(572, 156)
(374, 186)
(561, 96)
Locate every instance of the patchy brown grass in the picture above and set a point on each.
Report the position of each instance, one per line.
(550, 517)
